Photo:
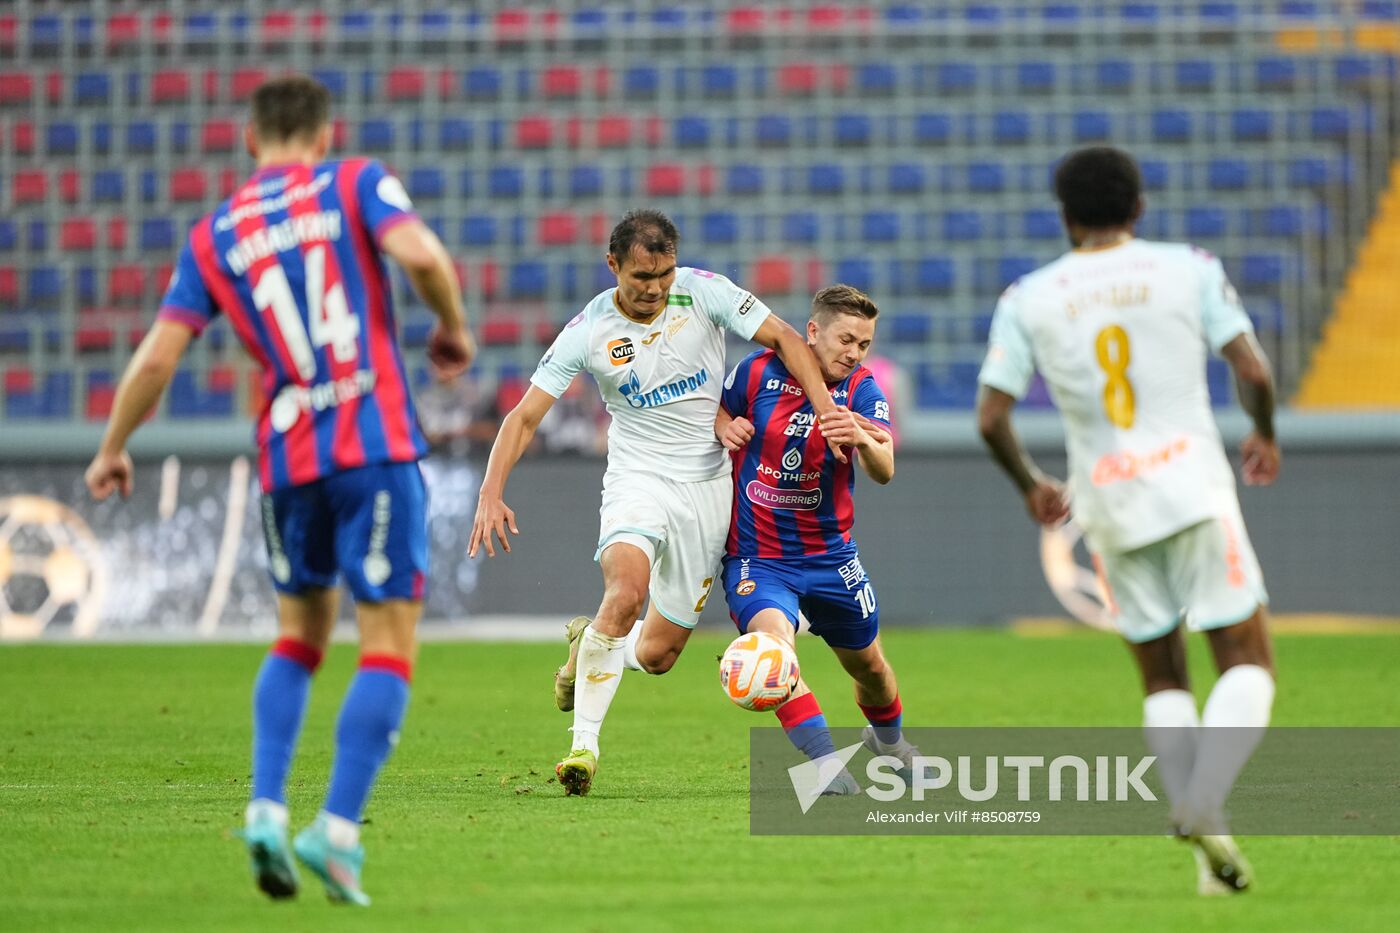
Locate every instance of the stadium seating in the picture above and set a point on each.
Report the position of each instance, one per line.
(906, 147)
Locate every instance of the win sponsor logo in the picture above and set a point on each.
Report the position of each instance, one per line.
(621, 351)
(637, 397)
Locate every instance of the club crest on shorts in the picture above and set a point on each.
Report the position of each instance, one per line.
(745, 587)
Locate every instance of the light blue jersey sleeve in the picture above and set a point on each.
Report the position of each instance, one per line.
(1010, 363)
(565, 358)
(1223, 317)
(726, 304)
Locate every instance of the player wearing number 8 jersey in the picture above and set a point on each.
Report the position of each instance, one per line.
(1119, 328)
(294, 261)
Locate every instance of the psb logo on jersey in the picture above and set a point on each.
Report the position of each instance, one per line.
(792, 459)
(621, 351)
(745, 587)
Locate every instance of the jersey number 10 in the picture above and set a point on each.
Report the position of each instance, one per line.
(1119, 403)
(331, 323)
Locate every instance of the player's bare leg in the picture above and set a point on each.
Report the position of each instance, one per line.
(655, 643)
(877, 695)
(304, 628)
(626, 575)
(366, 732)
(800, 714)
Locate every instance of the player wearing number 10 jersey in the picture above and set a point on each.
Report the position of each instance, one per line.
(790, 547)
(1119, 328)
(294, 261)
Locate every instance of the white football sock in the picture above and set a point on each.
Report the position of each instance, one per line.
(1236, 714)
(599, 673)
(262, 808)
(340, 832)
(629, 648)
(1170, 726)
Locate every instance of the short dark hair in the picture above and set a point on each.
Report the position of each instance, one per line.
(1099, 187)
(649, 229)
(289, 107)
(842, 299)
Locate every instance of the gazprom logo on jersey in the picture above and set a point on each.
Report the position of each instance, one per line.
(796, 500)
(631, 390)
(294, 399)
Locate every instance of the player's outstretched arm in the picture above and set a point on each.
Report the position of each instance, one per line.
(415, 247)
(778, 335)
(141, 386)
(875, 446)
(1255, 383)
(518, 428)
(1045, 497)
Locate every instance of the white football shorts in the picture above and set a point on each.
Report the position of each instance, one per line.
(1206, 574)
(682, 527)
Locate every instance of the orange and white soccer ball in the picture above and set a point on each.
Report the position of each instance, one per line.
(758, 671)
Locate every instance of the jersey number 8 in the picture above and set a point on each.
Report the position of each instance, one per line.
(1119, 403)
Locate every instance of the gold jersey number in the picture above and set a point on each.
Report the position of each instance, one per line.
(1119, 403)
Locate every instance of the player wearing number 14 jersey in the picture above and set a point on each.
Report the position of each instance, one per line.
(790, 547)
(294, 261)
(1119, 328)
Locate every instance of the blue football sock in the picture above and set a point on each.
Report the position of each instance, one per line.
(366, 732)
(279, 706)
(805, 726)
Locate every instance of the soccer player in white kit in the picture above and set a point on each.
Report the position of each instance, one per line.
(1119, 328)
(655, 345)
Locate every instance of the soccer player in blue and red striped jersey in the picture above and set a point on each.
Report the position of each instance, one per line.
(790, 546)
(294, 260)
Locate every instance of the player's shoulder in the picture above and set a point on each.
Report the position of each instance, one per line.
(697, 284)
(1037, 279)
(1178, 254)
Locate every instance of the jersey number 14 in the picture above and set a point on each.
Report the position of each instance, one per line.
(1119, 403)
(331, 322)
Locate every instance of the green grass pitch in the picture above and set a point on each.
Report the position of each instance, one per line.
(124, 771)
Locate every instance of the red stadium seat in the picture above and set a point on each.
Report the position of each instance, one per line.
(533, 132)
(170, 86)
(559, 228)
(188, 184)
(219, 136)
(501, 331)
(545, 331)
(513, 26)
(745, 20)
(229, 179)
(9, 30)
(22, 138)
(490, 274)
(123, 29)
(54, 86)
(614, 131)
(16, 87)
(448, 83)
(70, 185)
(126, 284)
(665, 179)
(88, 338)
(278, 26)
(116, 234)
(78, 233)
(244, 82)
(161, 27)
(30, 186)
(210, 84)
(100, 396)
(19, 380)
(405, 83)
(222, 378)
(599, 228)
(9, 285)
(160, 278)
(773, 275)
(798, 78)
(562, 81)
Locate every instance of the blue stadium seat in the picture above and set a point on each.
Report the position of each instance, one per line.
(479, 230)
(826, 178)
(692, 130)
(1114, 75)
(1011, 127)
(801, 227)
(852, 129)
(1329, 122)
(1156, 174)
(456, 133)
(141, 137)
(907, 178)
(876, 79)
(1011, 268)
(1091, 126)
(1280, 220)
(1205, 223)
(910, 327)
(1195, 76)
(856, 271)
(773, 129)
(961, 226)
(585, 181)
(719, 81)
(157, 234)
(1275, 72)
(1041, 223)
(744, 178)
(45, 286)
(92, 87)
(9, 236)
(934, 275)
(1262, 271)
(1227, 174)
(986, 177)
(932, 128)
(335, 80)
(529, 279)
(642, 81)
(505, 181)
(956, 77)
(1251, 124)
(377, 135)
(427, 183)
(1035, 77)
(719, 228)
(1171, 126)
(61, 138)
(38, 239)
(880, 227)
